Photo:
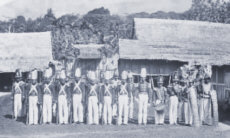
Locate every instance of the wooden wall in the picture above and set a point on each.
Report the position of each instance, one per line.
(221, 81)
(86, 65)
(152, 66)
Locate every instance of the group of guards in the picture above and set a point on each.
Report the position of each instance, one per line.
(65, 101)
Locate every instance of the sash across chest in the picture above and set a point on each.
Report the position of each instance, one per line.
(123, 90)
(33, 90)
(17, 88)
(77, 89)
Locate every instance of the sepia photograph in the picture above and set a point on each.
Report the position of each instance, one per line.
(114, 68)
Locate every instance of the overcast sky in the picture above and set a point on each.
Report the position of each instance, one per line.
(36, 8)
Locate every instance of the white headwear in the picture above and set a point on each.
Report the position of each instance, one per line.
(34, 74)
(92, 75)
(107, 75)
(130, 75)
(48, 72)
(143, 72)
(78, 72)
(62, 74)
(124, 75)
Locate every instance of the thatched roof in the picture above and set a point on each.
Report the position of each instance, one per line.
(25, 51)
(179, 40)
(89, 51)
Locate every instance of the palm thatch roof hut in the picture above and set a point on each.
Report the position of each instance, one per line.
(162, 46)
(89, 58)
(25, 51)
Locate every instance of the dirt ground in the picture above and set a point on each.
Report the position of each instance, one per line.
(12, 128)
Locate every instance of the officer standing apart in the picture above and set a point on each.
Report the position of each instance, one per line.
(33, 92)
(63, 98)
(48, 92)
(18, 91)
(161, 100)
(107, 96)
(144, 90)
(93, 99)
(123, 99)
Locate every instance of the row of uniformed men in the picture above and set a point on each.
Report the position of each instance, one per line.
(87, 99)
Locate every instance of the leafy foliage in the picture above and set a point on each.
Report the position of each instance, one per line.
(100, 27)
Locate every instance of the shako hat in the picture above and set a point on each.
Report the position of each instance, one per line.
(124, 75)
(130, 75)
(116, 73)
(34, 74)
(175, 78)
(48, 73)
(160, 80)
(62, 74)
(18, 73)
(143, 72)
(207, 77)
(77, 73)
(92, 76)
(107, 76)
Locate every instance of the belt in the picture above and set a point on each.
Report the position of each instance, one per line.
(33, 95)
(18, 93)
(143, 93)
(205, 97)
(123, 94)
(78, 93)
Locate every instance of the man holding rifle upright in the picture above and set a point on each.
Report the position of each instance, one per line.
(47, 96)
(78, 97)
(18, 90)
(33, 93)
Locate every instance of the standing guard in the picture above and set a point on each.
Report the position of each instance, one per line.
(115, 84)
(48, 90)
(63, 98)
(18, 97)
(78, 93)
(33, 94)
(107, 96)
(131, 90)
(123, 98)
(93, 99)
(173, 100)
(193, 102)
(187, 105)
(161, 100)
(144, 90)
(205, 102)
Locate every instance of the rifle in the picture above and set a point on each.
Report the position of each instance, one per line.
(12, 113)
(27, 113)
(70, 107)
(41, 114)
(57, 114)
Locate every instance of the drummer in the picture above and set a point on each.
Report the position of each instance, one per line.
(161, 97)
